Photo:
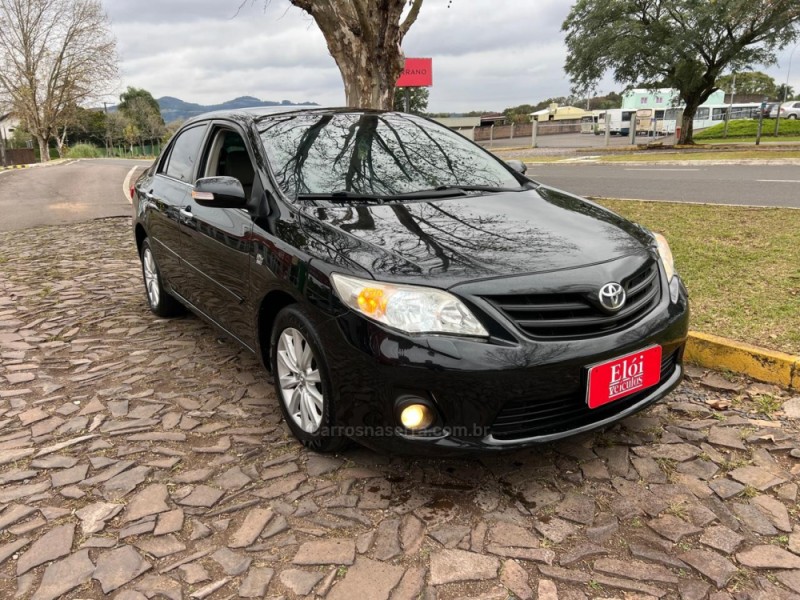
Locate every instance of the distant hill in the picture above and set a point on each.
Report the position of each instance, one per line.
(175, 109)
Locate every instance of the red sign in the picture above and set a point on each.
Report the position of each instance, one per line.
(418, 72)
(623, 376)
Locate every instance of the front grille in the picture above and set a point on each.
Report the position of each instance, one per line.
(531, 418)
(573, 315)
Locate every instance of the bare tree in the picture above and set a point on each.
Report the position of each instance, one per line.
(365, 37)
(54, 55)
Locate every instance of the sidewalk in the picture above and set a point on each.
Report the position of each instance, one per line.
(143, 456)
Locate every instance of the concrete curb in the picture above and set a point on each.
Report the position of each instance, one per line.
(13, 167)
(769, 366)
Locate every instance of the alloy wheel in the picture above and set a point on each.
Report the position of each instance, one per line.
(299, 380)
(151, 277)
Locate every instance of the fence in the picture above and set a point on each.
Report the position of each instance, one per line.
(524, 130)
(20, 156)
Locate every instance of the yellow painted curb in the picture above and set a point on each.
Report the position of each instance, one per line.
(13, 167)
(764, 365)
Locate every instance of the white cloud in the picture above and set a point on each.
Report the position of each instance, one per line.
(488, 54)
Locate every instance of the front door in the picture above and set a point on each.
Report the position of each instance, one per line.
(216, 241)
(167, 192)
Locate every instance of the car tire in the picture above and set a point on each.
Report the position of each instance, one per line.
(158, 299)
(302, 383)
(792, 117)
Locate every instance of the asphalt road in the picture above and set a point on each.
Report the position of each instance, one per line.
(758, 185)
(90, 189)
(65, 193)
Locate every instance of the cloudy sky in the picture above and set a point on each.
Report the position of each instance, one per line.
(488, 54)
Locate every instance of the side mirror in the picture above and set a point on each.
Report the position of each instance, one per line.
(219, 192)
(519, 166)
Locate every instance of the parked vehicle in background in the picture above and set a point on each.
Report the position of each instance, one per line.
(771, 110)
(790, 110)
(620, 123)
(589, 124)
(650, 121)
(712, 114)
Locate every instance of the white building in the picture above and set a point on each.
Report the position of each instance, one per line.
(662, 98)
(7, 126)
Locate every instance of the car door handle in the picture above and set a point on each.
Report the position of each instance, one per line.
(186, 213)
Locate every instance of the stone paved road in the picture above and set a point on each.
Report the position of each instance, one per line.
(145, 458)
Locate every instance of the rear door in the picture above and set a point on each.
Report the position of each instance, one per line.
(216, 241)
(167, 195)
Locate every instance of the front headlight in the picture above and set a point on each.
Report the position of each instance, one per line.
(409, 308)
(666, 255)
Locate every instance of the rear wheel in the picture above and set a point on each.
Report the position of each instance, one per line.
(159, 300)
(792, 117)
(302, 383)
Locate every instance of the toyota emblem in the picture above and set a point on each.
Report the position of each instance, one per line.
(612, 296)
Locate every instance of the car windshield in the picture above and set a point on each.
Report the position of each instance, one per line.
(375, 154)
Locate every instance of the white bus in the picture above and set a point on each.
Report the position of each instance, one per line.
(712, 114)
(620, 123)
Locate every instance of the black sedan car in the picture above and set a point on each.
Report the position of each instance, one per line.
(405, 287)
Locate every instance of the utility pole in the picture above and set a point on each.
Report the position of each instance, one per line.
(105, 109)
(785, 90)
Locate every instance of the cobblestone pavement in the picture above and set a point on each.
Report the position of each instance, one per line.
(144, 458)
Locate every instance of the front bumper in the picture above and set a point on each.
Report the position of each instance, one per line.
(476, 384)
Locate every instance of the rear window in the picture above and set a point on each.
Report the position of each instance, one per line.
(185, 153)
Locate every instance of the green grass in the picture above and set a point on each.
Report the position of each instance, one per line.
(741, 266)
(752, 140)
(747, 128)
(84, 151)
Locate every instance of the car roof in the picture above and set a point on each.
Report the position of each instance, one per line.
(257, 113)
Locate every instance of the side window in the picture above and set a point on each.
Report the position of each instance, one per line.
(185, 153)
(701, 114)
(228, 156)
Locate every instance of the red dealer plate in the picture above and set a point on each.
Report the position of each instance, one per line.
(623, 376)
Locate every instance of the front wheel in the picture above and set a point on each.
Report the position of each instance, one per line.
(159, 300)
(302, 382)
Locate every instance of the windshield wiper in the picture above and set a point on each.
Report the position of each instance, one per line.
(456, 190)
(342, 196)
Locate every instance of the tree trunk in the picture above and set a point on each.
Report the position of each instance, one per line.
(44, 149)
(687, 128)
(364, 37)
(369, 75)
(60, 143)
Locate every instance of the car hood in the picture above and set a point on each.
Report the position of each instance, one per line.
(454, 240)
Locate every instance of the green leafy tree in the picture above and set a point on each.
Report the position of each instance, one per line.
(129, 99)
(750, 83)
(417, 99)
(560, 100)
(142, 110)
(684, 44)
(519, 114)
(785, 92)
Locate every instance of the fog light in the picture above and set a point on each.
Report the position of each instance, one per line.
(416, 416)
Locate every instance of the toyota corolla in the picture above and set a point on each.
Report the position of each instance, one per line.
(405, 287)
